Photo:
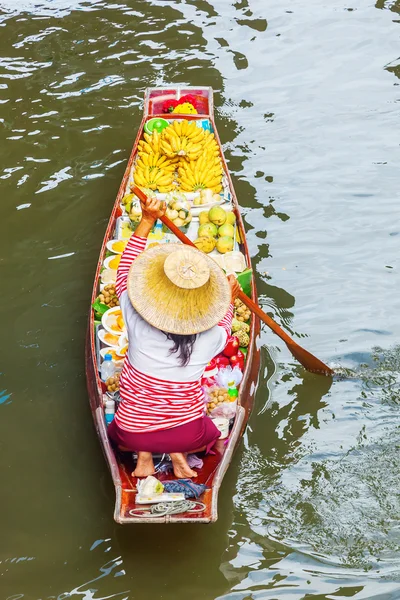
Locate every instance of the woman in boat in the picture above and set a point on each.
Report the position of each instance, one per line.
(177, 305)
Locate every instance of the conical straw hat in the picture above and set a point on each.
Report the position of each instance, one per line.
(178, 289)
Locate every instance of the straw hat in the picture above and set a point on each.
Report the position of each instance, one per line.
(178, 289)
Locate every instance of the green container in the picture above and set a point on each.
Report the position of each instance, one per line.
(155, 124)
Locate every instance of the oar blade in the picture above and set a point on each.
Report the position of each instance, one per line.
(308, 360)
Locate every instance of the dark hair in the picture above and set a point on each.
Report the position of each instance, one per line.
(183, 344)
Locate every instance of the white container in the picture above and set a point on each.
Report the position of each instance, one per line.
(222, 425)
(110, 259)
(110, 246)
(107, 367)
(108, 276)
(107, 338)
(109, 320)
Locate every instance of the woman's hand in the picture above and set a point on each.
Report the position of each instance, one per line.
(235, 287)
(152, 210)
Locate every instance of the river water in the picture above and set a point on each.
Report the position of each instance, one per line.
(307, 106)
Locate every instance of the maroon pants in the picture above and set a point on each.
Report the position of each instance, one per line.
(184, 438)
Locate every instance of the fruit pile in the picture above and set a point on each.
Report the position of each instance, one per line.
(217, 228)
(231, 354)
(217, 396)
(187, 104)
(206, 197)
(183, 157)
(178, 210)
(154, 170)
(109, 296)
(240, 329)
(242, 312)
(112, 383)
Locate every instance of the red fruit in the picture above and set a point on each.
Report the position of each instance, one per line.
(188, 98)
(232, 346)
(222, 361)
(169, 105)
(237, 360)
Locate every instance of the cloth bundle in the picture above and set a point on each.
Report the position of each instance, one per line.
(185, 486)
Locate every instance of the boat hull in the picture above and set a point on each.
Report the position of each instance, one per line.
(216, 465)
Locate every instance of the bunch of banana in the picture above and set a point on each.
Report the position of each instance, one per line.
(182, 138)
(210, 143)
(157, 160)
(151, 143)
(154, 178)
(205, 172)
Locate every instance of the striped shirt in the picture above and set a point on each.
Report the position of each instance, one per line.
(175, 396)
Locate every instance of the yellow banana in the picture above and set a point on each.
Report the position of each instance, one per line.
(156, 140)
(163, 181)
(144, 156)
(174, 142)
(167, 149)
(147, 137)
(177, 125)
(184, 126)
(213, 182)
(145, 147)
(139, 179)
(140, 165)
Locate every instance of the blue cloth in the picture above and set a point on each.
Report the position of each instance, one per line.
(185, 486)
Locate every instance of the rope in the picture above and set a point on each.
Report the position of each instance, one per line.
(168, 508)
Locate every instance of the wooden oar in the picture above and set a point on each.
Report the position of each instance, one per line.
(308, 360)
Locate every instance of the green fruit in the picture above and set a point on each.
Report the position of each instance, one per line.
(207, 230)
(183, 213)
(171, 214)
(230, 218)
(226, 230)
(225, 244)
(217, 215)
(127, 199)
(203, 217)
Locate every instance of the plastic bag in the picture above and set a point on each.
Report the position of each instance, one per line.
(226, 410)
(219, 403)
(228, 376)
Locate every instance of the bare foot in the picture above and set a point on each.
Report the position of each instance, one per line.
(145, 465)
(181, 468)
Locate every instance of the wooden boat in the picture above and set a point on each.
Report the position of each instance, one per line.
(215, 465)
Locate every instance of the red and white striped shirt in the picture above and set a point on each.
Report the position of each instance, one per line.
(175, 396)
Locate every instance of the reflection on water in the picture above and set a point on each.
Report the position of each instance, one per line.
(306, 99)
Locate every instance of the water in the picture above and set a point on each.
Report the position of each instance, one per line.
(307, 100)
